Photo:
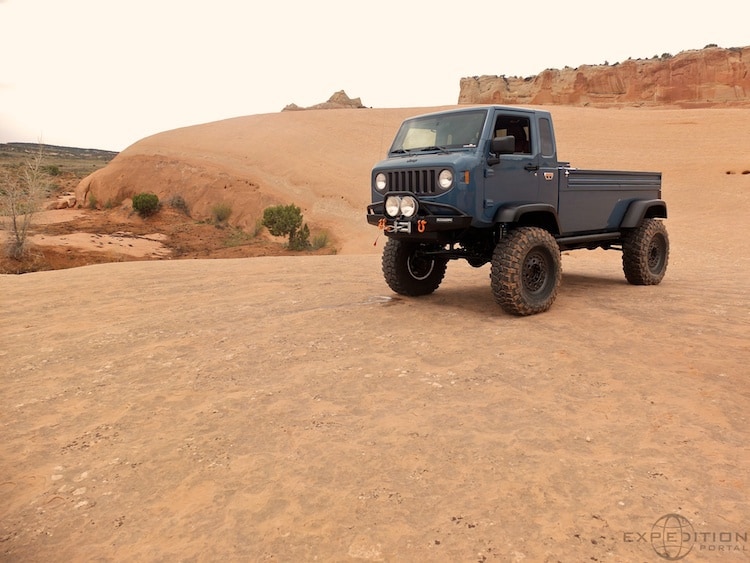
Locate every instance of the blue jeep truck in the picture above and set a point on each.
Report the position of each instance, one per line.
(483, 184)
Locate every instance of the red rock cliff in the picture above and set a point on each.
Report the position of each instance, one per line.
(700, 78)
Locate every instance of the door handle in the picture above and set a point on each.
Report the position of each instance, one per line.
(531, 167)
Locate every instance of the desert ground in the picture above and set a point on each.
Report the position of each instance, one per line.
(292, 408)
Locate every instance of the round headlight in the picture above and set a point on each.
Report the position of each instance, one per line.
(392, 206)
(380, 182)
(445, 179)
(408, 206)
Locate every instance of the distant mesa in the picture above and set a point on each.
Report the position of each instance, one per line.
(338, 100)
(56, 151)
(708, 77)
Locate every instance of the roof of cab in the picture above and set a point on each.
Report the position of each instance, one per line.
(468, 108)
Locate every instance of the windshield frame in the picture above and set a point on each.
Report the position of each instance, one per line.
(455, 130)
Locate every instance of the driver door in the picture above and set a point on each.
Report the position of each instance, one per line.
(515, 179)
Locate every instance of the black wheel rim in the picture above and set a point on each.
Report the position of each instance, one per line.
(536, 270)
(656, 252)
(420, 268)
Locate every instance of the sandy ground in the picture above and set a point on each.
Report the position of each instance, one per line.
(294, 409)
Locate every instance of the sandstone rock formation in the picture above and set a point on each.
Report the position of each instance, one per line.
(712, 76)
(339, 100)
(66, 200)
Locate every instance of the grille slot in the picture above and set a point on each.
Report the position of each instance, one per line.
(416, 181)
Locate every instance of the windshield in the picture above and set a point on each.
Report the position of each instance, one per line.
(440, 131)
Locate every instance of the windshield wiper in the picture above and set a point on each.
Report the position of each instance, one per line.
(432, 148)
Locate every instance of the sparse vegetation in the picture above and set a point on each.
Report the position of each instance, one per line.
(145, 204)
(238, 237)
(258, 227)
(58, 170)
(320, 241)
(178, 202)
(22, 191)
(221, 213)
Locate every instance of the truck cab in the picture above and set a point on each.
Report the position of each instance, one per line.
(472, 160)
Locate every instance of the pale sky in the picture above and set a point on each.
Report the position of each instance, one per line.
(105, 74)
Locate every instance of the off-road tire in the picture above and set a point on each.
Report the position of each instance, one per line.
(645, 253)
(407, 272)
(526, 271)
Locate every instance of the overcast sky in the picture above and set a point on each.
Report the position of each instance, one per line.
(104, 73)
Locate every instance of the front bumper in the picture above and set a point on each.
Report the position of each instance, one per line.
(432, 220)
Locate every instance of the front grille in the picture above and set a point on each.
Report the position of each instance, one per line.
(415, 181)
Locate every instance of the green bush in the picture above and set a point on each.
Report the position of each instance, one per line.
(282, 220)
(145, 204)
(286, 220)
(300, 240)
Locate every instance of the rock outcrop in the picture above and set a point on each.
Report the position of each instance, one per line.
(339, 100)
(66, 200)
(712, 76)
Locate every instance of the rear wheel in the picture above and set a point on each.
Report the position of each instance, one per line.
(645, 253)
(409, 270)
(526, 271)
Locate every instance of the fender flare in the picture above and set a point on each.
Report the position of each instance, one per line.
(641, 209)
(514, 213)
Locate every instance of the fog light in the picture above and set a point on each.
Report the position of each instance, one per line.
(392, 206)
(408, 206)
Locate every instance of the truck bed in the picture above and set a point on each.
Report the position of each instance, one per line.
(596, 200)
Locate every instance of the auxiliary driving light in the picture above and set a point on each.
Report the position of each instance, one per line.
(401, 205)
(392, 206)
(408, 206)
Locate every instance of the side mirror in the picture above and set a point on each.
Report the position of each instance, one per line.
(504, 145)
(501, 145)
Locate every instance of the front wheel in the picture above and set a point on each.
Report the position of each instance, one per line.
(526, 271)
(645, 253)
(409, 270)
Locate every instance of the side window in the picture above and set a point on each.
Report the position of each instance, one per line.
(519, 128)
(545, 134)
